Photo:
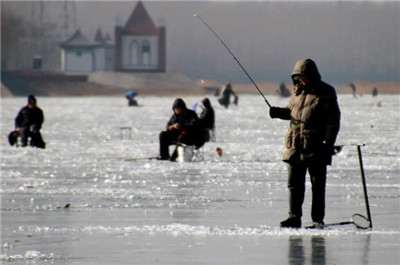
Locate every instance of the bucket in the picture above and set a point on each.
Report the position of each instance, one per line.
(185, 153)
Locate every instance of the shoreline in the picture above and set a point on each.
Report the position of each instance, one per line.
(96, 90)
(48, 84)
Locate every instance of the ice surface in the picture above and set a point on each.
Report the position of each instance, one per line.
(225, 210)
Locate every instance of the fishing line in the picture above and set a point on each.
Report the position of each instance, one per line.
(234, 57)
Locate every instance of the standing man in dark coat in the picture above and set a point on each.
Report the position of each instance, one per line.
(182, 127)
(314, 116)
(29, 122)
(225, 97)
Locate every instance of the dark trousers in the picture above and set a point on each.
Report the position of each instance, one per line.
(224, 101)
(36, 138)
(168, 138)
(296, 185)
(24, 133)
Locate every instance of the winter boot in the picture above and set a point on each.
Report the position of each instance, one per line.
(291, 222)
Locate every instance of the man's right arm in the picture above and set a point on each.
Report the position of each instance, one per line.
(171, 121)
(280, 113)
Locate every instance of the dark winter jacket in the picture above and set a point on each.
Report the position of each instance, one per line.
(27, 117)
(226, 94)
(188, 121)
(314, 118)
(207, 116)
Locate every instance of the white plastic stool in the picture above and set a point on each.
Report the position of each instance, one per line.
(185, 153)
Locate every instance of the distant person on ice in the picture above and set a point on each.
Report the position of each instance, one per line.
(130, 96)
(207, 119)
(314, 116)
(353, 90)
(182, 127)
(28, 124)
(283, 90)
(225, 97)
(375, 92)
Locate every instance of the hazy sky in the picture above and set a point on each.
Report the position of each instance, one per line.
(350, 41)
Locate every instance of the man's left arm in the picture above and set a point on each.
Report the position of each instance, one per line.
(333, 115)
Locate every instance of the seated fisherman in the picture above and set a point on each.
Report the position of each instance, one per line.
(182, 127)
(28, 124)
(207, 119)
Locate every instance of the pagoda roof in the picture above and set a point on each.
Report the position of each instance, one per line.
(140, 23)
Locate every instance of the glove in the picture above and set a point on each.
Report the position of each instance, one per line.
(281, 113)
(337, 149)
(274, 112)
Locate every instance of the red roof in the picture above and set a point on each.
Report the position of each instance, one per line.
(140, 23)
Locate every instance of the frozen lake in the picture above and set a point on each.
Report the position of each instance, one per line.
(225, 210)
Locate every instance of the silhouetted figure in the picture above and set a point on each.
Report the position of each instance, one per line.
(207, 119)
(225, 96)
(375, 92)
(353, 90)
(284, 91)
(28, 123)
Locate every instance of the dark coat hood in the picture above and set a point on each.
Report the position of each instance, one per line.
(206, 103)
(179, 103)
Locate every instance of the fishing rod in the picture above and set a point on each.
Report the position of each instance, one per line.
(234, 57)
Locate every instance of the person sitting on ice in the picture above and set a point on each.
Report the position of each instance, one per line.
(225, 97)
(182, 128)
(207, 119)
(130, 96)
(28, 124)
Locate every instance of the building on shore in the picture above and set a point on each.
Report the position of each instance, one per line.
(139, 45)
(78, 54)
